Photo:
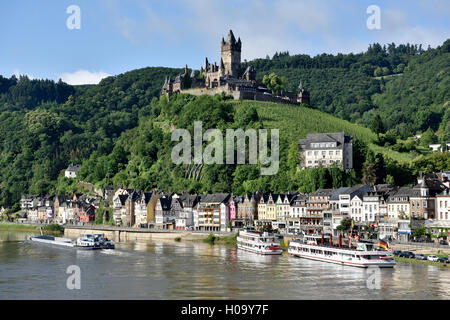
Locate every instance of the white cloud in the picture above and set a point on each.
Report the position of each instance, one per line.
(84, 77)
(19, 73)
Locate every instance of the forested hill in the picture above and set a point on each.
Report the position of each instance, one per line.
(45, 125)
(407, 86)
(118, 129)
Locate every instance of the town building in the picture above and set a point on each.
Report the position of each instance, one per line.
(247, 210)
(336, 216)
(72, 170)
(212, 212)
(119, 210)
(398, 203)
(316, 205)
(296, 212)
(186, 216)
(140, 209)
(164, 216)
(443, 206)
(325, 150)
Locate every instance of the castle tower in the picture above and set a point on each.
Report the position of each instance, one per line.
(303, 95)
(231, 54)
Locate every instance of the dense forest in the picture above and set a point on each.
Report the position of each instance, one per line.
(406, 85)
(119, 130)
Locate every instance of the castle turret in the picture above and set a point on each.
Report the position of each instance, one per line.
(303, 95)
(231, 54)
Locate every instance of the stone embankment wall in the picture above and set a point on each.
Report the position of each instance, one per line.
(421, 248)
(128, 234)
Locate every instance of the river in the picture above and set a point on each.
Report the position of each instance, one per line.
(192, 270)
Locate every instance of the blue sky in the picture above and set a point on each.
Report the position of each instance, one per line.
(120, 35)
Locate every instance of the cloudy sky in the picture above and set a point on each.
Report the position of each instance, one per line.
(120, 35)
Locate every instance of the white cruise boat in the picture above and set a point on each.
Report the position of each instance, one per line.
(363, 255)
(258, 242)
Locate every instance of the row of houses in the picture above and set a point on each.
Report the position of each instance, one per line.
(386, 208)
(392, 211)
(60, 209)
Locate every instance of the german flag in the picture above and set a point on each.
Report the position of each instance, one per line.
(383, 244)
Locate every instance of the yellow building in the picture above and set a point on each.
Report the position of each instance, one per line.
(262, 204)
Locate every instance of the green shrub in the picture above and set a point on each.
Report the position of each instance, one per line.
(210, 239)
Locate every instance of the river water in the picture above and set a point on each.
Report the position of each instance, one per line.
(191, 270)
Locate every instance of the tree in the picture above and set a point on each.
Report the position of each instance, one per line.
(274, 83)
(419, 232)
(345, 225)
(377, 125)
(427, 138)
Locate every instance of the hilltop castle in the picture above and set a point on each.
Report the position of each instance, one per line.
(229, 77)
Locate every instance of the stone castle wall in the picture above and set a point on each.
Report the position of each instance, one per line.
(239, 95)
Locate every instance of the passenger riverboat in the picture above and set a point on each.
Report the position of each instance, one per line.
(258, 242)
(316, 247)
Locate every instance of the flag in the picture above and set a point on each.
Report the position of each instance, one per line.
(383, 244)
(353, 224)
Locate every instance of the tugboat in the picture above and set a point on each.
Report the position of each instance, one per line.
(105, 243)
(258, 242)
(321, 248)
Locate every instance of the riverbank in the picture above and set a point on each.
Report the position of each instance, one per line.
(438, 264)
(225, 240)
(51, 229)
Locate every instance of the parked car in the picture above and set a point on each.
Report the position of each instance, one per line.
(407, 254)
(420, 257)
(443, 260)
(396, 253)
(432, 258)
(443, 242)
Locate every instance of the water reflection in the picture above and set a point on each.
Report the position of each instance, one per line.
(195, 270)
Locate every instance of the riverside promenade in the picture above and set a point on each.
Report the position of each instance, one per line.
(138, 234)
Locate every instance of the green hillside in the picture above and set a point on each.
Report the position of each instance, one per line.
(296, 122)
(356, 87)
(141, 157)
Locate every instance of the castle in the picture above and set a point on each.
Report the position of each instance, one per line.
(229, 77)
